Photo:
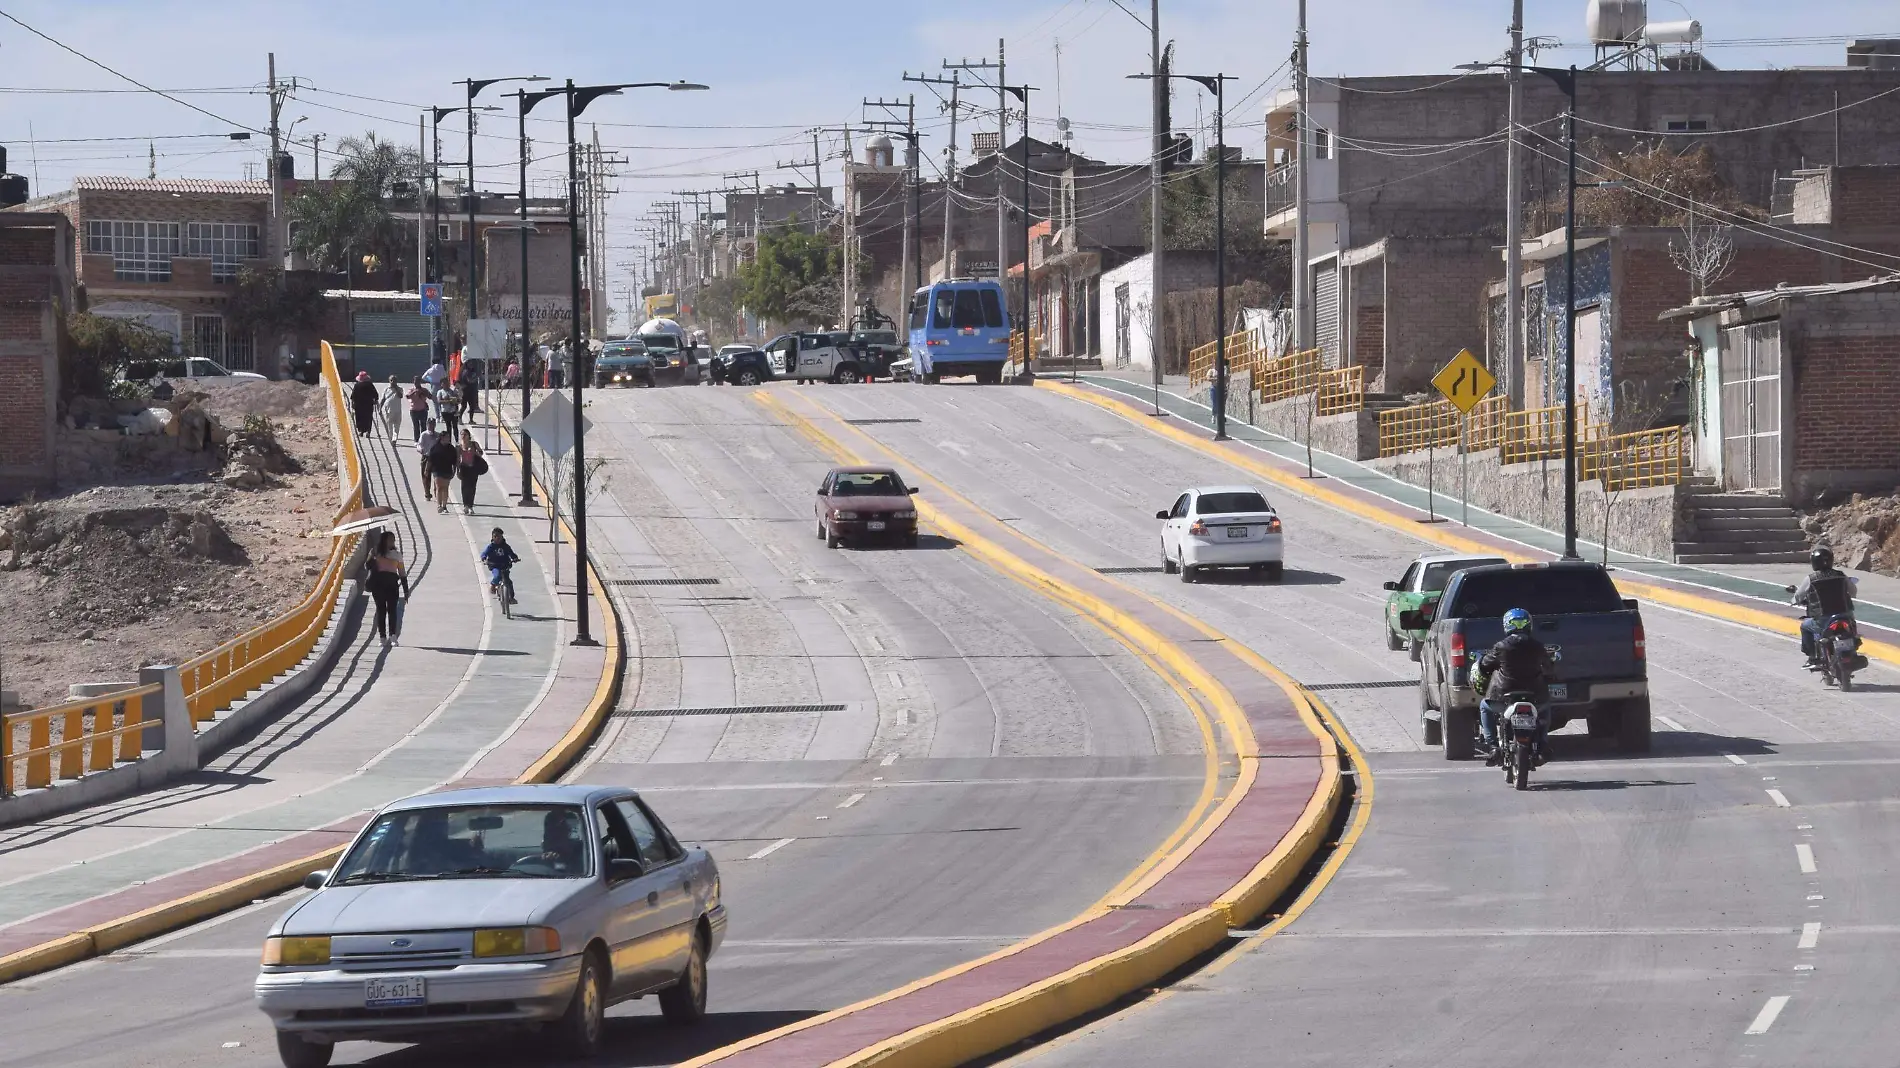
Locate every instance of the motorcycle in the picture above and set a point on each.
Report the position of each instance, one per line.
(1837, 650)
(1518, 738)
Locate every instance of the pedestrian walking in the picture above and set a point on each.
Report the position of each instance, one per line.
(391, 405)
(443, 457)
(472, 388)
(511, 378)
(449, 407)
(470, 466)
(436, 376)
(425, 443)
(388, 583)
(418, 406)
(363, 403)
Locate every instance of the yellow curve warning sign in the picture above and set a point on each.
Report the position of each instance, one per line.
(1464, 381)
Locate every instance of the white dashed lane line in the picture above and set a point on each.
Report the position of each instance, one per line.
(1804, 854)
(852, 800)
(1780, 799)
(1733, 759)
(1810, 936)
(1766, 1017)
(771, 849)
(889, 759)
(1670, 723)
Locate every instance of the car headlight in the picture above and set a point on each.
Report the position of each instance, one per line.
(279, 950)
(905, 514)
(844, 515)
(516, 941)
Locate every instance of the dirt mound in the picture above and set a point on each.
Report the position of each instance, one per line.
(1864, 533)
(231, 400)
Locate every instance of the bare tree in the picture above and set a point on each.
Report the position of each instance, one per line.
(1705, 252)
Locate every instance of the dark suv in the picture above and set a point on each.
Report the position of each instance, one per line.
(749, 367)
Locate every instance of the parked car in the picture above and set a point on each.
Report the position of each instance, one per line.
(623, 363)
(814, 357)
(183, 367)
(864, 503)
(1599, 662)
(1421, 585)
(745, 367)
(876, 350)
(672, 361)
(505, 907)
(1221, 526)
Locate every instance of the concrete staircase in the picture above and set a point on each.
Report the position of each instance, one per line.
(1382, 402)
(1740, 528)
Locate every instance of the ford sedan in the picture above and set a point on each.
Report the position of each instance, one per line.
(501, 908)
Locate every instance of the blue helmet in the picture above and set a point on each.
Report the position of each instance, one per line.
(1516, 620)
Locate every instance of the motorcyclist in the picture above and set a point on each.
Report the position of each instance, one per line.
(1516, 664)
(1825, 592)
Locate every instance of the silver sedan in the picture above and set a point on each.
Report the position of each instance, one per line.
(533, 906)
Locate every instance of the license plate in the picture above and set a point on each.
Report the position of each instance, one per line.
(1559, 691)
(393, 992)
(1524, 720)
(874, 525)
(1236, 532)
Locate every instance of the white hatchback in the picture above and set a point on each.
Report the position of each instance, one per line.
(1221, 526)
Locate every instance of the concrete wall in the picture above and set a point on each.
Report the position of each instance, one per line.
(1844, 353)
(36, 291)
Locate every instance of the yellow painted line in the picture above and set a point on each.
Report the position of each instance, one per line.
(1667, 595)
(1092, 984)
(204, 904)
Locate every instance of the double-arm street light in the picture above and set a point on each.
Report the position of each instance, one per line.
(436, 115)
(1020, 92)
(474, 86)
(578, 97)
(1566, 81)
(1215, 83)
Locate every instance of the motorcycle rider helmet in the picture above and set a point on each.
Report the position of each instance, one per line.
(1821, 559)
(1517, 621)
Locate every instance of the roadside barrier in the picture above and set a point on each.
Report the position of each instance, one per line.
(211, 681)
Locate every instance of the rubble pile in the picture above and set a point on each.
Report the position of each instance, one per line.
(1864, 533)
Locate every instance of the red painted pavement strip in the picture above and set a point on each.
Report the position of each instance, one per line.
(826, 1042)
(1255, 827)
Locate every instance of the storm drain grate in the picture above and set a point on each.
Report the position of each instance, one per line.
(1128, 571)
(729, 710)
(664, 582)
(1396, 684)
(879, 422)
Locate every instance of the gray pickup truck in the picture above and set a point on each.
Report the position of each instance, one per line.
(1599, 670)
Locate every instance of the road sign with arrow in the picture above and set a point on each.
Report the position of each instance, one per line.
(1464, 381)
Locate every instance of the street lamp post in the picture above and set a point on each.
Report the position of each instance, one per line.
(474, 87)
(577, 98)
(1021, 92)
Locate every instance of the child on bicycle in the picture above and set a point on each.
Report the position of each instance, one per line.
(499, 556)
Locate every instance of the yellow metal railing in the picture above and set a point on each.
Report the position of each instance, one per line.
(1340, 391)
(1484, 427)
(1243, 354)
(223, 675)
(1538, 433)
(1292, 375)
(1433, 424)
(1638, 459)
(1016, 347)
(88, 739)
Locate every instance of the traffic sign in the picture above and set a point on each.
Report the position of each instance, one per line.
(551, 424)
(432, 298)
(1464, 381)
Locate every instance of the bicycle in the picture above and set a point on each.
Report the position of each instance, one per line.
(501, 586)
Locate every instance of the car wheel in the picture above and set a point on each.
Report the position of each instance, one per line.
(748, 378)
(1276, 572)
(832, 540)
(1602, 721)
(685, 1001)
(910, 541)
(1189, 572)
(847, 376)
(1416, 650)
(1633, 727)
(580, 1028)
(1460, 727)
(1434, 732)
(1167, 564)
(821, 530)
(1393, 643)
(297, 1053)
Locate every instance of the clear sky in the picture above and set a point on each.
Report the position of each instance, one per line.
(777, 70)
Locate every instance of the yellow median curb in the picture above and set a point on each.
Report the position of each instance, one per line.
(1665, 595)
(204, 904)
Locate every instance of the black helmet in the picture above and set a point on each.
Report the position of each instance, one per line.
(1822, 558)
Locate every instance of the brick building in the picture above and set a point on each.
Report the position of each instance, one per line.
(1799, 388)
(164, 252)
(36, 290)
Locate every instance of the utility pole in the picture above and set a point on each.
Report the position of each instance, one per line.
(273, 250)
(909, 270)
(1158, 320)
(1513, 219)
(1002, 201)
(316, 156)
(996, 163)
(955, 82)
(1302, 281)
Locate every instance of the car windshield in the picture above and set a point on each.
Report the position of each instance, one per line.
(867, 484)
(1229, 503)
(664, 342)
(470, 842)
(208, 368)
(877, 337)
(1436, 575)
(623, 349)
(1539, 591)
(730, 349)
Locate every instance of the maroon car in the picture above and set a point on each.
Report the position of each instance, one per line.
(861, 503)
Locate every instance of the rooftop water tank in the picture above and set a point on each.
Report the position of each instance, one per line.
(877, 151)
(1682, 31)
(1616, 21)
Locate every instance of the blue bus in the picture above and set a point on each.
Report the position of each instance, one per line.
(960, 327)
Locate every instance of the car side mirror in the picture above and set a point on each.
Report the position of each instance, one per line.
(620, 869)
(316, 879)
(1391, 586)
(1790, 589)
(1414, 620)
(1630, 603)
(1162, 514)
(913, 491)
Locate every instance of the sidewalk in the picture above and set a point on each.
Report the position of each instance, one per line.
(467, 698)
(1878, 606)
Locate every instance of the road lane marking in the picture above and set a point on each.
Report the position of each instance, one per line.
(1105, 441)
(852, 800)
(1766, 1017)
(771, 849)
(889, 759)
(1804, 853)
(1780, 799)
(1671, 724)
(897, 681)
(876, 642)
(1733, 759)
(1810, 936)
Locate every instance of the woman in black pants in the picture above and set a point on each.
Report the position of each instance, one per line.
(388, 584)
(470, 466)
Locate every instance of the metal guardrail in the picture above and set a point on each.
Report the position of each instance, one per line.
(1639, 459)
(1292, 375)
(1341, 391)
(1633, 460)
(86, 737)
(1433, 424)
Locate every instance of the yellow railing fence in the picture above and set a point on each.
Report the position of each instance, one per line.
(1484, 427)
(1433, 424)
(1292, 375)
(88, 738)
(1243, 354)
(1638, 459)
(1340, 391)
(1538, 433)
(1016, 357)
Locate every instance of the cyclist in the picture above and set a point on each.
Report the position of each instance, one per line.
(499, 556)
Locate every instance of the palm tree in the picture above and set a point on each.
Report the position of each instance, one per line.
(338, 222)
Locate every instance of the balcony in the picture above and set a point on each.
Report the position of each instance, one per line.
(1280, 190)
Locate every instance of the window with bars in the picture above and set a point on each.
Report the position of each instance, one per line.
(140, 251)
(226, 245)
